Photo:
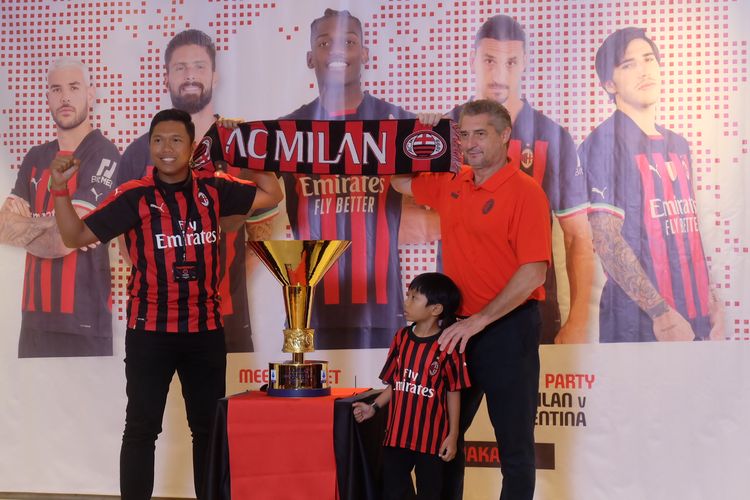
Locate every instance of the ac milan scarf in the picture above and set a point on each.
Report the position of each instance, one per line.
(352, 147)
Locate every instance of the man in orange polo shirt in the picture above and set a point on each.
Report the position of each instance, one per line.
(496, 246)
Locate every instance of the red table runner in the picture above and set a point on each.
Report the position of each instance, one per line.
(282, 448)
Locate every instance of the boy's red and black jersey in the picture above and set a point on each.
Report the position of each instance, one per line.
(359, 303)
(70, 294)
(168, 224)
(420, 376)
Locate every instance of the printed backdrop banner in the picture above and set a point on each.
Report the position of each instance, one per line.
(642, 151)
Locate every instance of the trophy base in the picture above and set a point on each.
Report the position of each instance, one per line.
(299, 380)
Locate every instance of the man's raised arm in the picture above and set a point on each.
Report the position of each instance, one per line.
(74, 232)
(269, 191)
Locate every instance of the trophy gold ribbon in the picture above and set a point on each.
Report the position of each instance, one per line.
(299, 265)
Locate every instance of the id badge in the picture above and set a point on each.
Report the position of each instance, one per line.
(185, 271)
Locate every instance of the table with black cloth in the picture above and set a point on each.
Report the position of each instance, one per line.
(295, 448)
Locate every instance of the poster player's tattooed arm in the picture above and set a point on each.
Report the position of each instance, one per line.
(18, 230)
(621, 264)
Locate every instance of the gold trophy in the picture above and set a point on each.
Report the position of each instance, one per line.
(299, 265)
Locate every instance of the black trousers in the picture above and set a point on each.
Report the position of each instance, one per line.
(397, 466)
(151, 359)
(503, 363)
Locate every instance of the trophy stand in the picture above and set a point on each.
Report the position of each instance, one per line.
(299, 265)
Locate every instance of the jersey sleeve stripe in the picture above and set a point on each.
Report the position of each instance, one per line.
(606, 207)
(569, 212)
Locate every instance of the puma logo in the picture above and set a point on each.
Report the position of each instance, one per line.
(96, 195)
(600, 192)
(35, 182)
(159, 207)
(655, 170)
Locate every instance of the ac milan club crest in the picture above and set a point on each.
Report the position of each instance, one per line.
(488, 206)
(527, 158)
(434, 367)
(203, 199)
(424, 145)
(202, 154)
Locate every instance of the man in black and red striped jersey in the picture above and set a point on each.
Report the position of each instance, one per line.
(359, 303)
(190, 75)
(170, 220)
(66, 306)
(643, 208)
(545, 151)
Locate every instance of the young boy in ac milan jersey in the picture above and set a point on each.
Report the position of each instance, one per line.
(170, 220)
(424, 384)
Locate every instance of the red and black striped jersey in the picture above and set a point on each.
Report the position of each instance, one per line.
(70, 294)
(359, 302)
(420, 375)
(647, 181)
(136, 163)
(167, 225)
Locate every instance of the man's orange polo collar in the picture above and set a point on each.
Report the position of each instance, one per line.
(493, 183)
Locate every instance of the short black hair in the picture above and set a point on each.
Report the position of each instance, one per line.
(329, 13)
(439, 289)
(499, 115)
(191, 37)
(613, 49)
(501, 28)
(173, 115)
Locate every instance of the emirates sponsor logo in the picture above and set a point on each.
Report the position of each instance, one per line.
(666, 208)
(409, 386)
(341, 194)
(190, 239)
(424, 145)
(335, 184)
(679, 216)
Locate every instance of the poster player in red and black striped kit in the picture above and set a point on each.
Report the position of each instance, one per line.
(66, 307)
(191, 78)
(170, 219)
(358, 305)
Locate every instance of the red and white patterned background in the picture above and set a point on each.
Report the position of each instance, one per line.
(419, 60)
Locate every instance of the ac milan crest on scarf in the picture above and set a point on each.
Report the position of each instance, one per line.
(353, 147)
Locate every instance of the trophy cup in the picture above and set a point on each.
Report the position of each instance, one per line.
(299, 265)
